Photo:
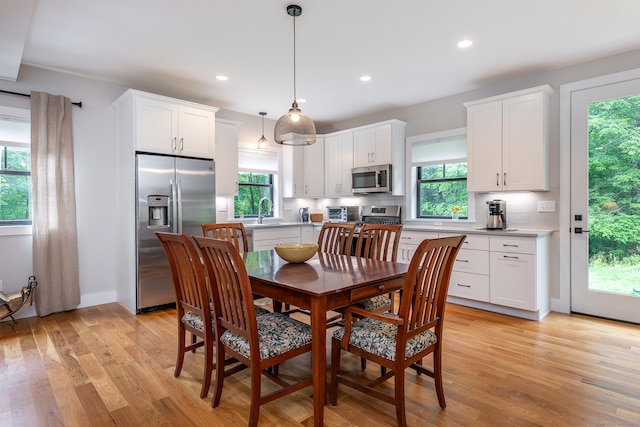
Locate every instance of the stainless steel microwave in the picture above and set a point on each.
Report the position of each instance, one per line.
(371, 179)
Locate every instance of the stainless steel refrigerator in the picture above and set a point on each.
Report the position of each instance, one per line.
(175, 195)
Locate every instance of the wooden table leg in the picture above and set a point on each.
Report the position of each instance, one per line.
(319, 357)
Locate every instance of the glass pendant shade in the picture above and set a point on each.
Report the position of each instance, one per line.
(294, 128)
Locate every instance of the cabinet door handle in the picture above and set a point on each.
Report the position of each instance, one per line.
(498, 179)
(340, 187)
(174, 143)
(464, 286)
(504, 179)
(510, 257)
(181, 144)
(373, 156)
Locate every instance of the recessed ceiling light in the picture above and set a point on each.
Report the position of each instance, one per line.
(365, 78)
(465, 43)
(222, 78)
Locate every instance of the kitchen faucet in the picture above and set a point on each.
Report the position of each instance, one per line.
(260, 208)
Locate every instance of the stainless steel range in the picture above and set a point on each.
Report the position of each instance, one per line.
(379, 215)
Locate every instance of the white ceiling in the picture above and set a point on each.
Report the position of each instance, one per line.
(408, 46)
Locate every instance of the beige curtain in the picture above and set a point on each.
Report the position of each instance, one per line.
(55, 245)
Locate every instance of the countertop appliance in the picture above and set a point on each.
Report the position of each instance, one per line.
(496, 214)
(371, 179)
(343, 213)
(174, 195)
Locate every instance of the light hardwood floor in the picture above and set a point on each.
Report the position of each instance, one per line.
(103, 366)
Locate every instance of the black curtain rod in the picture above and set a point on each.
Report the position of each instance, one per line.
(79, 104)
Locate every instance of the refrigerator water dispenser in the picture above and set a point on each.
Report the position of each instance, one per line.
(158, 211)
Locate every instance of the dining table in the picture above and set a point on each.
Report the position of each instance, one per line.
(323, 283)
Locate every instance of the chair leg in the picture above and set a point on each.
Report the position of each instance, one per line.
(181, 350)
(256, 380)
(208, 369)
(363, 363)
(437, 376)
(217, 388)
(194, 338)
(399, 396)
(335, 369)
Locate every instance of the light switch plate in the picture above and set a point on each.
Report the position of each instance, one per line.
(546, 205)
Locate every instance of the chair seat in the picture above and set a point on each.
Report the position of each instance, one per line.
(277, 334)
(379, 338)
(195, 320)
(375, 303)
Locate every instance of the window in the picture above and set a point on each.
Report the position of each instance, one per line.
(15, 167)
(253, 186)
(438, 177)
(442, 190)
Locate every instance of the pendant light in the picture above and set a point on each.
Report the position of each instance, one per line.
(262, 142)
(294, 128)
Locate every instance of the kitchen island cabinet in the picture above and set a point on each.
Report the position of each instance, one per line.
(165, 125)
(507, 141)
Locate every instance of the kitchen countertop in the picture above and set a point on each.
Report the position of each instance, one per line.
(519, 232)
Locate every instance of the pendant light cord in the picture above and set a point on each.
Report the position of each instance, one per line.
(295, 97)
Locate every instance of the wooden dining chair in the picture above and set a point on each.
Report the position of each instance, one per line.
(192, 302)
(378, 241)
(259, 342)
(397, 342)
(233, 232)
(336, 238)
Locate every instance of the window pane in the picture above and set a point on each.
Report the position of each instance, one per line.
(253, 187)
(15, 200)
(455, 170)
(437, 198)
(433, 172)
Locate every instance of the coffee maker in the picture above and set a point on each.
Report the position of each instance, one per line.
(496, 214)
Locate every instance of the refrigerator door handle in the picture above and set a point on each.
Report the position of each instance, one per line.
(174, 217)
(179, 219)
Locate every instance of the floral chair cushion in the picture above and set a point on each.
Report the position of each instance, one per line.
(277, 334)
(379, 338)
(375, 303)
(195, 320)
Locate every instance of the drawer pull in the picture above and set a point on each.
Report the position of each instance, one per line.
(464, 286)
(405, 238)
(510, 257)
(462, 260)
(511, 246)
(381, 288)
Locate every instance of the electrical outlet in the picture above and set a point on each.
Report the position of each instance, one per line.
(546, 205)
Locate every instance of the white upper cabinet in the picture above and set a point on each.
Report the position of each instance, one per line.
(226, 157)
(172, 126)
(338, 155)
(303, 170)
(380, 144)
(507, 141)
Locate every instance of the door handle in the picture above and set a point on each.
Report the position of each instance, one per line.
(580, 230)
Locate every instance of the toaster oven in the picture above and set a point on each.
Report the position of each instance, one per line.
(343, 213)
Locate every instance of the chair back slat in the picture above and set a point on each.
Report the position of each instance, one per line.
(229, 286)
(233, 232)
(188, 276)
(336, 238)
(425, 289)
(379, 241)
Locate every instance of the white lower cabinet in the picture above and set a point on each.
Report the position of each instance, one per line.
(470, 275)
(506, 274)
(409, 241)
(266, 238)
(514, 278)
(306, 234)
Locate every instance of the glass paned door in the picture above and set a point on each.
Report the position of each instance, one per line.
(605, 201)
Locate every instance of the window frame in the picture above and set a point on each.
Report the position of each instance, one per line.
(420, 181)
(20, 115)
(270, 186)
